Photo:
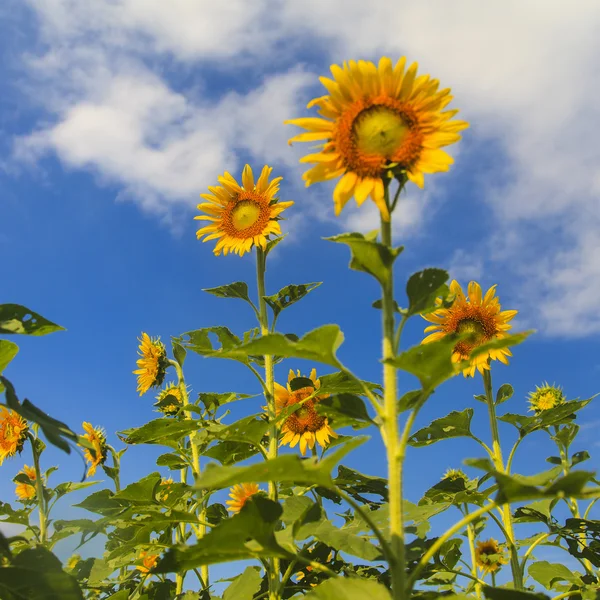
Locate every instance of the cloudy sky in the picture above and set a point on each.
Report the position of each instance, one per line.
(116, 114)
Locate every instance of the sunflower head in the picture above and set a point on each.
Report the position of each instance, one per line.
(26, 490)
(545, 397)
(169, 400)
(148, 561)
(375, 118)
(476, 314)
(242, 216)
(305, 426)
(239, 494)
(454, 475)
(489, 556)
(97, 456)
(13, 433)
(152, 365)
(73, 561)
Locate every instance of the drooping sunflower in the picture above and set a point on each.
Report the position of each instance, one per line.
(239, 494)
(148, 561)
(26, 491)
(545, 397)
(169, 400)
(376, 117)
(13, 433)
(152, 364)
(242, 216)
(97, 456)
(480, 316)
(305, 426)
(489, 556)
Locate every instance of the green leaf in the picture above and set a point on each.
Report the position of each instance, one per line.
(422, 290)
(199, 341)
(172, 461)
(272, 243)
(579, 457)
(289, 295)
(509, 594)
(8, 350)
(15, 318)
(142, 491)
(284, 468)
(342, 382)
(229, 453)
(249, 430)
(179, 352)
(244, 586)
(505, 392)
(431, 363)
(548, 574)
(160, 431)
(237, 289)
(369, 256)
(344, 409)
(355, 483)
(455, 424)
(72, 486)
(248, 534)
(349, 589)
(378, 304)
(318, 345)
(498, 343)
(213, 400)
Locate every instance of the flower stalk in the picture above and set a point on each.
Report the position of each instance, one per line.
(39, 491)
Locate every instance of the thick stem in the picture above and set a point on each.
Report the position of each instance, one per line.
(269, 387)
(499, 465)
(39, 493)
(395, 454)
(471, 538)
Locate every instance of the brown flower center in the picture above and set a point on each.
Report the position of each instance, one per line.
(306, 417)
(246, 215)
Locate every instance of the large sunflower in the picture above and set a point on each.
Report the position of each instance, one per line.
(96, 437)
(242, 216)
(480, 316)
(26, 491)
(305, 425)
(13, 433)
(152, 364)
(240, 494)
(489, 556)
(376, 117)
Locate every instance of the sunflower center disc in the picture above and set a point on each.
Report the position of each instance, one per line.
(471, 326)
(245, 214)
(380, 130)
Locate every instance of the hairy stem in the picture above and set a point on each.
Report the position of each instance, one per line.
(39, 492)
(471, 538)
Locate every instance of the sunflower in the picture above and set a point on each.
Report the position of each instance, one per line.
(97, 456)
(148, 562)
(169, 400)
(73, 561)
(489, 556)
(26, 491)
(242, 216)
(163, 493)
(305, 425)
(13, 433)
(454, 475)
(376, 117)
(152, 364)
(546, 397)
(479, 316)
(239, 494)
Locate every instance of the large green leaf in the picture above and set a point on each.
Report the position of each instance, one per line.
(344, 410)
(249, 534)
(237, 289)
(422, 290)
(8, 350)
(244, 586)
(214, 400)
(368, 255)
(229, 453)
(342, 382)
(318, 345)
(200, 341)
(349, 589)
(250, 429)
(455, 424)
(356, 484)
(493, 593)
(284, 468)
(505, 342)
(160, 431)
(548, 574)
(289, 295)
(142, 491)
(15, 318)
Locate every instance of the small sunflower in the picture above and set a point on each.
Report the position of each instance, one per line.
(152, 364)
(169, 400)
(305, 425)
(489, 556)
(239, 494)
(376, 117)
(454, 475)
(13, 433)
(480, 316)
(545, 397)
(163, 493)
(73, 561)
(26, 491)
(242, 216)
(97, 456)
(148, 561)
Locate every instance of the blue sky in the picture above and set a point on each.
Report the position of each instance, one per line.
(113, 119)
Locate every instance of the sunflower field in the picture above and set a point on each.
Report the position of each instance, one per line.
(263, 507)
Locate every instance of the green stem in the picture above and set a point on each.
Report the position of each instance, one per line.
(39, 492)
(529, 550)
(269, 388)
(499, 465)
(471, 538)
(395, 453)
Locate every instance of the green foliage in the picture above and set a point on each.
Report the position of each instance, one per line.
(289, 295)
(15, 318)
(456, 424)
(244, 586)
(423, 288)
(349, 589)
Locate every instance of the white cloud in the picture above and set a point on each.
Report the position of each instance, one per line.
(465, 266)
(524, 74)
